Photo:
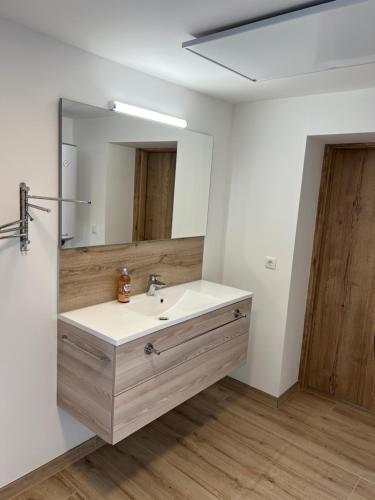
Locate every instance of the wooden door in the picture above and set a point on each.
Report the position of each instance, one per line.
(153, 194)
(339, 343)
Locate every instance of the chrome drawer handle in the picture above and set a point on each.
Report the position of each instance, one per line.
(102, 357)
(150, 349)
(238, 314)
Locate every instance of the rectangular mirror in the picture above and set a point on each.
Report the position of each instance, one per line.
(146, 181)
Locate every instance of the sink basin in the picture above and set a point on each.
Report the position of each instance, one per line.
(156, 305)
(171, 304)
(190, 302)
(120, 323)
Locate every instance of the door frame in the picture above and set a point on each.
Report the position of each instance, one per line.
(320, 227)
(140, 189)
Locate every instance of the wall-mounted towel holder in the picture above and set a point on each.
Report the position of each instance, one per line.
(20, 227)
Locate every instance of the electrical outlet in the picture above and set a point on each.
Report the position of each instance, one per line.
(271, 263)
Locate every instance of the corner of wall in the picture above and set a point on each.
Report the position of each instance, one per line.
(304, 238)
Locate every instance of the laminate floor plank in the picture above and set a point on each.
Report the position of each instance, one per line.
(252, 449)
(92, 482)
(77, 496)
(162, 440)
(118, 480)
(56, 488)
(226, 443)
(363, 491)
(302, 475)
(280, 422)
(316, 423)
(338, 443)
(209, 465)
(163, 479)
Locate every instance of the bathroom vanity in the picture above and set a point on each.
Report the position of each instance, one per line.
(120, 366)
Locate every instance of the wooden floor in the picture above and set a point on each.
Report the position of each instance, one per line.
(225, 444)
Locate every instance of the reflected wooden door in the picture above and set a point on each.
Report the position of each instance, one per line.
(339, 343)
(155, 172)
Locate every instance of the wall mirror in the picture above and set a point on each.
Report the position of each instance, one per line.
(146, 181)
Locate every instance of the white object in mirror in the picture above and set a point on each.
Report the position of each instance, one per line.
(146, 180)
(69, 190)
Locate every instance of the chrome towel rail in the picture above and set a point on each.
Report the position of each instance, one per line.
(21, 226)
(59, 199)
(151, 349)
(11, 223)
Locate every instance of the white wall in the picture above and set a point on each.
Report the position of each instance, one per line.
(192, 185)
(268, 158)
(119, 193)
(92, 162)
(35, 72)
(312, 171)
(67, 132)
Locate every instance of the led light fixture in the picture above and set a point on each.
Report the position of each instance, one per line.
(129, 109)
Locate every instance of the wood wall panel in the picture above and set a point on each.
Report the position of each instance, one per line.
(87, 276)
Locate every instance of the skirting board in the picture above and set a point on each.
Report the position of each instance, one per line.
(287, 394)
(262, 397)
(50, 469)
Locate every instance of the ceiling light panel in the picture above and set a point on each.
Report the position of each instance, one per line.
(334, 34)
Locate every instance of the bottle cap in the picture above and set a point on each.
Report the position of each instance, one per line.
(124, 271)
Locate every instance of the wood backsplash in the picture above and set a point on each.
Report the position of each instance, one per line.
(87, 276)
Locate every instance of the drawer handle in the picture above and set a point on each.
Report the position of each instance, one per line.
(238, 314)
(150, 349)
(98, 357)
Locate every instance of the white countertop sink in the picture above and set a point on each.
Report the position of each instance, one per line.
(120, 323)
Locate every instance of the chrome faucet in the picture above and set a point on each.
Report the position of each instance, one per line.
(154, 284)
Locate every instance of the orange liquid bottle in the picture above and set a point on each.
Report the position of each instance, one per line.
(124, 286)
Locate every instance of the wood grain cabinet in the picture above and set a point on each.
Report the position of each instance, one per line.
(115, 390)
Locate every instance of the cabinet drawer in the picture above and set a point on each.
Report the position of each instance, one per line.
(85, 378)
(140, 405)
(182, 343)
(116, 390)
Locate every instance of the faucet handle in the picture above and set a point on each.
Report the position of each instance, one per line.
(154, 276)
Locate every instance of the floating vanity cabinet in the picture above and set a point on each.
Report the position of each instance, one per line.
(116, 389)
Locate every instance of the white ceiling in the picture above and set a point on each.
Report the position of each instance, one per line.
(147, 35)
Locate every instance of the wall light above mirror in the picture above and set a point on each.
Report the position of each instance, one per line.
(128, 109)
(146, 180)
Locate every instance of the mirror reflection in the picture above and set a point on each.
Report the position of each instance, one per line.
(146, 181)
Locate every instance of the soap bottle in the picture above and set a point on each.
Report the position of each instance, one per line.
(124, 286)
